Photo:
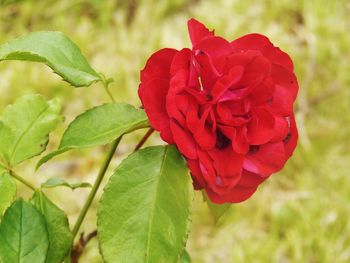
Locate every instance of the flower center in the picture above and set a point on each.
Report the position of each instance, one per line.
(221, 140)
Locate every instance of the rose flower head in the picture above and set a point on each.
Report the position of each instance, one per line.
(227, 106)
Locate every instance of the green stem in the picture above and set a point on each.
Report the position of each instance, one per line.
(105, 83)
(22, 180)
(95, 187)
(3, 166)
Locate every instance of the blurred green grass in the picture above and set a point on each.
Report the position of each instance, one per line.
(302, 213)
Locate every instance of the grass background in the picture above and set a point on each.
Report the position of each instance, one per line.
(300, 214)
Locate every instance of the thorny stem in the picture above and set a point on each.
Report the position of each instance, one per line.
(144, 139)
(95, 187)
(83, 241)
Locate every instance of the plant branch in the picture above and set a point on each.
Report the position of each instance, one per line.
(22, 180)
(95, 187)
(144, 139)
(80, 246)
(105, 83)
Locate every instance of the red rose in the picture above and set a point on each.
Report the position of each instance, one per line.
(228, 107)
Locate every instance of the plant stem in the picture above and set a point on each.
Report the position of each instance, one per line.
(144, 139)
(22, 180)
(105, 83)
(95, 187)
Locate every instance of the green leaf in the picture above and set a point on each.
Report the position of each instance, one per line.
(60, 237)
(23, 234)
(7, 191)
(186, 258)
(216, 210)
(55, 182)
(98, 126)
(26, 126)
(57, 51)
(144, 214)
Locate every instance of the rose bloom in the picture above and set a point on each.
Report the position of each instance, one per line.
(227, 106)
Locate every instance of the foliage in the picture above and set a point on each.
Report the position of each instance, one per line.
(301, 215)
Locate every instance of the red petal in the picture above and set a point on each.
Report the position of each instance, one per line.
(215, 47)
(157, 66)
(292, 139)
(269, 159)
(281, 129)
(235, 195)
(240, 142)
(204, 136)
(261, 127)
(262, 43)
(183, 140)
(198, 180)
(226, 82)
(249, 179)
(197, 31)
(227, 163)
(286, 79)
(153, 100)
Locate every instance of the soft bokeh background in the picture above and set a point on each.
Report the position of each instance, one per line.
(299, 215)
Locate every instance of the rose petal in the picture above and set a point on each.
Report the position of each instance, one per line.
(215, 47)
(262, 43)
(268, 159)
(290, 142)
(197, 31)
(226, 82)
(183, 140)
(261, 127)
(234, 195)
(157, 66)
(153, 99)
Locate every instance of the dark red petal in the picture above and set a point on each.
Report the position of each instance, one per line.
(268, 159)
(277, 56)
(290, 142)
(197, 31)
(285, 79)
(262, 43)
(226, 82)
(204, 136)
(261, 127)
(153, 100)
(157, 66)
(240, 142)
(249, 179)
(262, 93)
(181, 60)
(198, 180)
(183, 140)
(252, 41)
(227, 163)
(281, 129)
(215, 47)
(234, 195)
(206, 70)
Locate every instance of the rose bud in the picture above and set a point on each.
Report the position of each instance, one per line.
(227, 106)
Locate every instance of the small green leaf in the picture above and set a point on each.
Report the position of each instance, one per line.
(23, 234)
(98, 126)
(25, 127)
(216, 210)
(55, 182)
(60, 237)
(7, 191)
(57, 51)
(144, 214)
(186, 258)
